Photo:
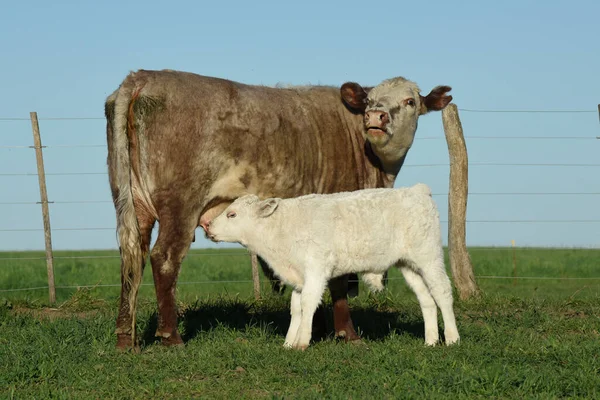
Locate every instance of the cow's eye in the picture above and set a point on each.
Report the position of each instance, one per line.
(410, 102)
(231, 214)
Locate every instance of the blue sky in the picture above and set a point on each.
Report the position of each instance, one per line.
(62, 59)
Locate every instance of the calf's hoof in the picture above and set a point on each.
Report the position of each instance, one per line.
(300, 347)
(452, 339)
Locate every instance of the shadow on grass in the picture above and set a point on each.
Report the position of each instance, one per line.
(371, 323)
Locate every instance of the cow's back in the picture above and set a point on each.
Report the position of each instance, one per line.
(204, 140)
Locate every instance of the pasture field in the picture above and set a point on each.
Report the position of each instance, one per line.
(529, 338)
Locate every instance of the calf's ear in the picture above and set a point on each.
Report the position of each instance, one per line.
(436, 100)
(267, 207)
(355, 96)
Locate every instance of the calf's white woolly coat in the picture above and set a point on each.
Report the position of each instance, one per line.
(310, 239)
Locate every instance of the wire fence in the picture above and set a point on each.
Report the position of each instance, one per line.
(8, 260)
(265, 281)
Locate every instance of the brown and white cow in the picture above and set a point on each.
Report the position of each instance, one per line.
(182, 147)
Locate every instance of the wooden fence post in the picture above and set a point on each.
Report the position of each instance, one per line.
(37, 141)
(255, 279)
(460, 261)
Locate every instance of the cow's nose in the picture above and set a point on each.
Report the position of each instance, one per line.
(377, 118)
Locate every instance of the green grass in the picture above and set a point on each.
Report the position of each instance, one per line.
(536, 339)
(213, 272)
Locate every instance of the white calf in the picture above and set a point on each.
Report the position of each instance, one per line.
(310, 239)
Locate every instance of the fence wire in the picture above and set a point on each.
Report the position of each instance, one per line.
(471, 164)
(264, 281)
(472, 221)
(66, 146)
(472, 110)
(433, 194)
(225, 254)
(220, 254)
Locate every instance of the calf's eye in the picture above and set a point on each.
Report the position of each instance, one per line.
(231, 214)
(410, 102)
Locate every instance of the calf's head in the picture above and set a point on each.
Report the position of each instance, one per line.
(391, 111)
(237, 223)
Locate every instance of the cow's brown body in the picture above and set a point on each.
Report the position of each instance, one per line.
(181, 147)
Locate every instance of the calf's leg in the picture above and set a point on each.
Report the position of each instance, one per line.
(436, 279)
(312, 293)
(296, 313)
(428, 307)
(277, 286)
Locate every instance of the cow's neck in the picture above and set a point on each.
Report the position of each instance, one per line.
(388, 161)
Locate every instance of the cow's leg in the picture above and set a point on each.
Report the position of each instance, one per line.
(296, 313)
(276, 285)
(341, 311)
(436, 279)
(428, 307)
(312, 293)
(319, 324)
(125, 334)
(175, 234)
(352, 285)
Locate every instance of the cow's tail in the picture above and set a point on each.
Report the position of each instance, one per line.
(130, 246)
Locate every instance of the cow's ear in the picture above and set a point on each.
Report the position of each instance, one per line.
(267, 207)
(436, 100)
(354, 95)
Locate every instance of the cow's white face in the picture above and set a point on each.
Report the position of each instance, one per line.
(238, 221)
(391, 111)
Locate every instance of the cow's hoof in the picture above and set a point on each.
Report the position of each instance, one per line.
(300, 347)
(125, 344)
(347, 336)
(359, 342)
(172, 340)
(123, 341)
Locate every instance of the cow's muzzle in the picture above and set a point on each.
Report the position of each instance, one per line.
(376, 122)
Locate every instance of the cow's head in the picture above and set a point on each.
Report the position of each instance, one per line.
(391, 110)
(238, 221)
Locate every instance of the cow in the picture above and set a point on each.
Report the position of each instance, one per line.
(182, 147)
(311, 239)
